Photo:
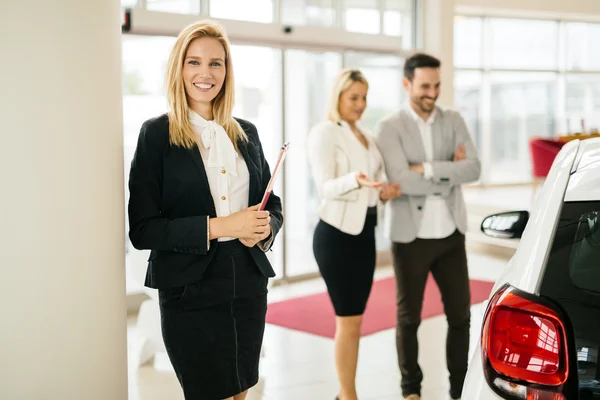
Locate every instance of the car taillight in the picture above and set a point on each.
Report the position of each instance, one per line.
(524, 348)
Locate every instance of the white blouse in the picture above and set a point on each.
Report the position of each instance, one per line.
(375, 163)
(226, 170)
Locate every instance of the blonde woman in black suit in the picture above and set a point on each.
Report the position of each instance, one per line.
(349, 176)
(196, 179)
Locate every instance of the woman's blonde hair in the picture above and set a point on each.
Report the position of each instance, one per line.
(181, 132)
(346, 78)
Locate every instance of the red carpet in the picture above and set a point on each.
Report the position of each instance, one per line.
(314, 314)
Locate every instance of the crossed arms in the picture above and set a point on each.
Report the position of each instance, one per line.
(443, 175)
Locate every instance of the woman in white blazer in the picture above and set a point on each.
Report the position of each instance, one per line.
(349, 176)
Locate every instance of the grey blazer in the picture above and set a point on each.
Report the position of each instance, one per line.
(400, 143)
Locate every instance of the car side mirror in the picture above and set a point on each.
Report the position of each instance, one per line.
(506, 225)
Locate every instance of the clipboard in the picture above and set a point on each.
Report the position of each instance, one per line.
(269, 188)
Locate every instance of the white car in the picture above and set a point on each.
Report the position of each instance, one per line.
(540, 338)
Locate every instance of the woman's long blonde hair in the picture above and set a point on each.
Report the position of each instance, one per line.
(181, 132)
(344, 80)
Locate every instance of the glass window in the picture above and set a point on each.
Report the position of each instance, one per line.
(583, 103)
(362, 16)
(384, 74)
(258, 100)
(523, 105)
(398, 20)
(467, 98)
(468, 42)
(392, 23)
(174, 6)
(308, 12)
(258, 93)
(583, 46)
(244, 10)
(144, 59)
(524, 44)
(385, 97)
(309, 79)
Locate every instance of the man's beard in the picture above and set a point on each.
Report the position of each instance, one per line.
(419, 102)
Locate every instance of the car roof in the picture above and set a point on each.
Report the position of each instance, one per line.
(584, 183)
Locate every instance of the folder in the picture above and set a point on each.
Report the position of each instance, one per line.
(269, 188)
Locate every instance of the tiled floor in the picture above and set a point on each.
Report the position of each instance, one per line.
(300, 366)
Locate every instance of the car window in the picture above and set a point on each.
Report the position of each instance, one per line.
(572, 279)
(584, 265)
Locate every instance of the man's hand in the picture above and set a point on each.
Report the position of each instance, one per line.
(460, 154)
(418, 168)
(390, 191)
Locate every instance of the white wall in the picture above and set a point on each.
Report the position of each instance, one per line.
(62, 292)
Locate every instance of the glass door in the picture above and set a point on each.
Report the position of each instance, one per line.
(309, 78)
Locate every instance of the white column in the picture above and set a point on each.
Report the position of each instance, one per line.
(62, 281)
(438, 40)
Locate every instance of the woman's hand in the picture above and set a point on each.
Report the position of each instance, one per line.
(389, 191)
(253, 242)
(249, 225)
(364, 181)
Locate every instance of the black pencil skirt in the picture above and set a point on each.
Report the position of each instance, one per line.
(347, 264)
(213, 329)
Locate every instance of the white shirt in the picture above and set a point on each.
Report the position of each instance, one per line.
(374, 161)
(227, 172)
(437, 222)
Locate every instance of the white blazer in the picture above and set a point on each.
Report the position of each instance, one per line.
(336, 156)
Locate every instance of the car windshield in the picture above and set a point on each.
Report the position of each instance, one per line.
(572, 279)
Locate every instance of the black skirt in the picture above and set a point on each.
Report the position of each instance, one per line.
(347, 264)
(213, 329)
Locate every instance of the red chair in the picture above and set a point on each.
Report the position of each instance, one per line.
(543, 152)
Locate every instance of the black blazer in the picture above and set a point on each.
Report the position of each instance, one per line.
(170, 203)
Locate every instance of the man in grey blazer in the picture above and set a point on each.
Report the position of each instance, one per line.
(429, 152)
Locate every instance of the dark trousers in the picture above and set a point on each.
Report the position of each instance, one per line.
(447, 260)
